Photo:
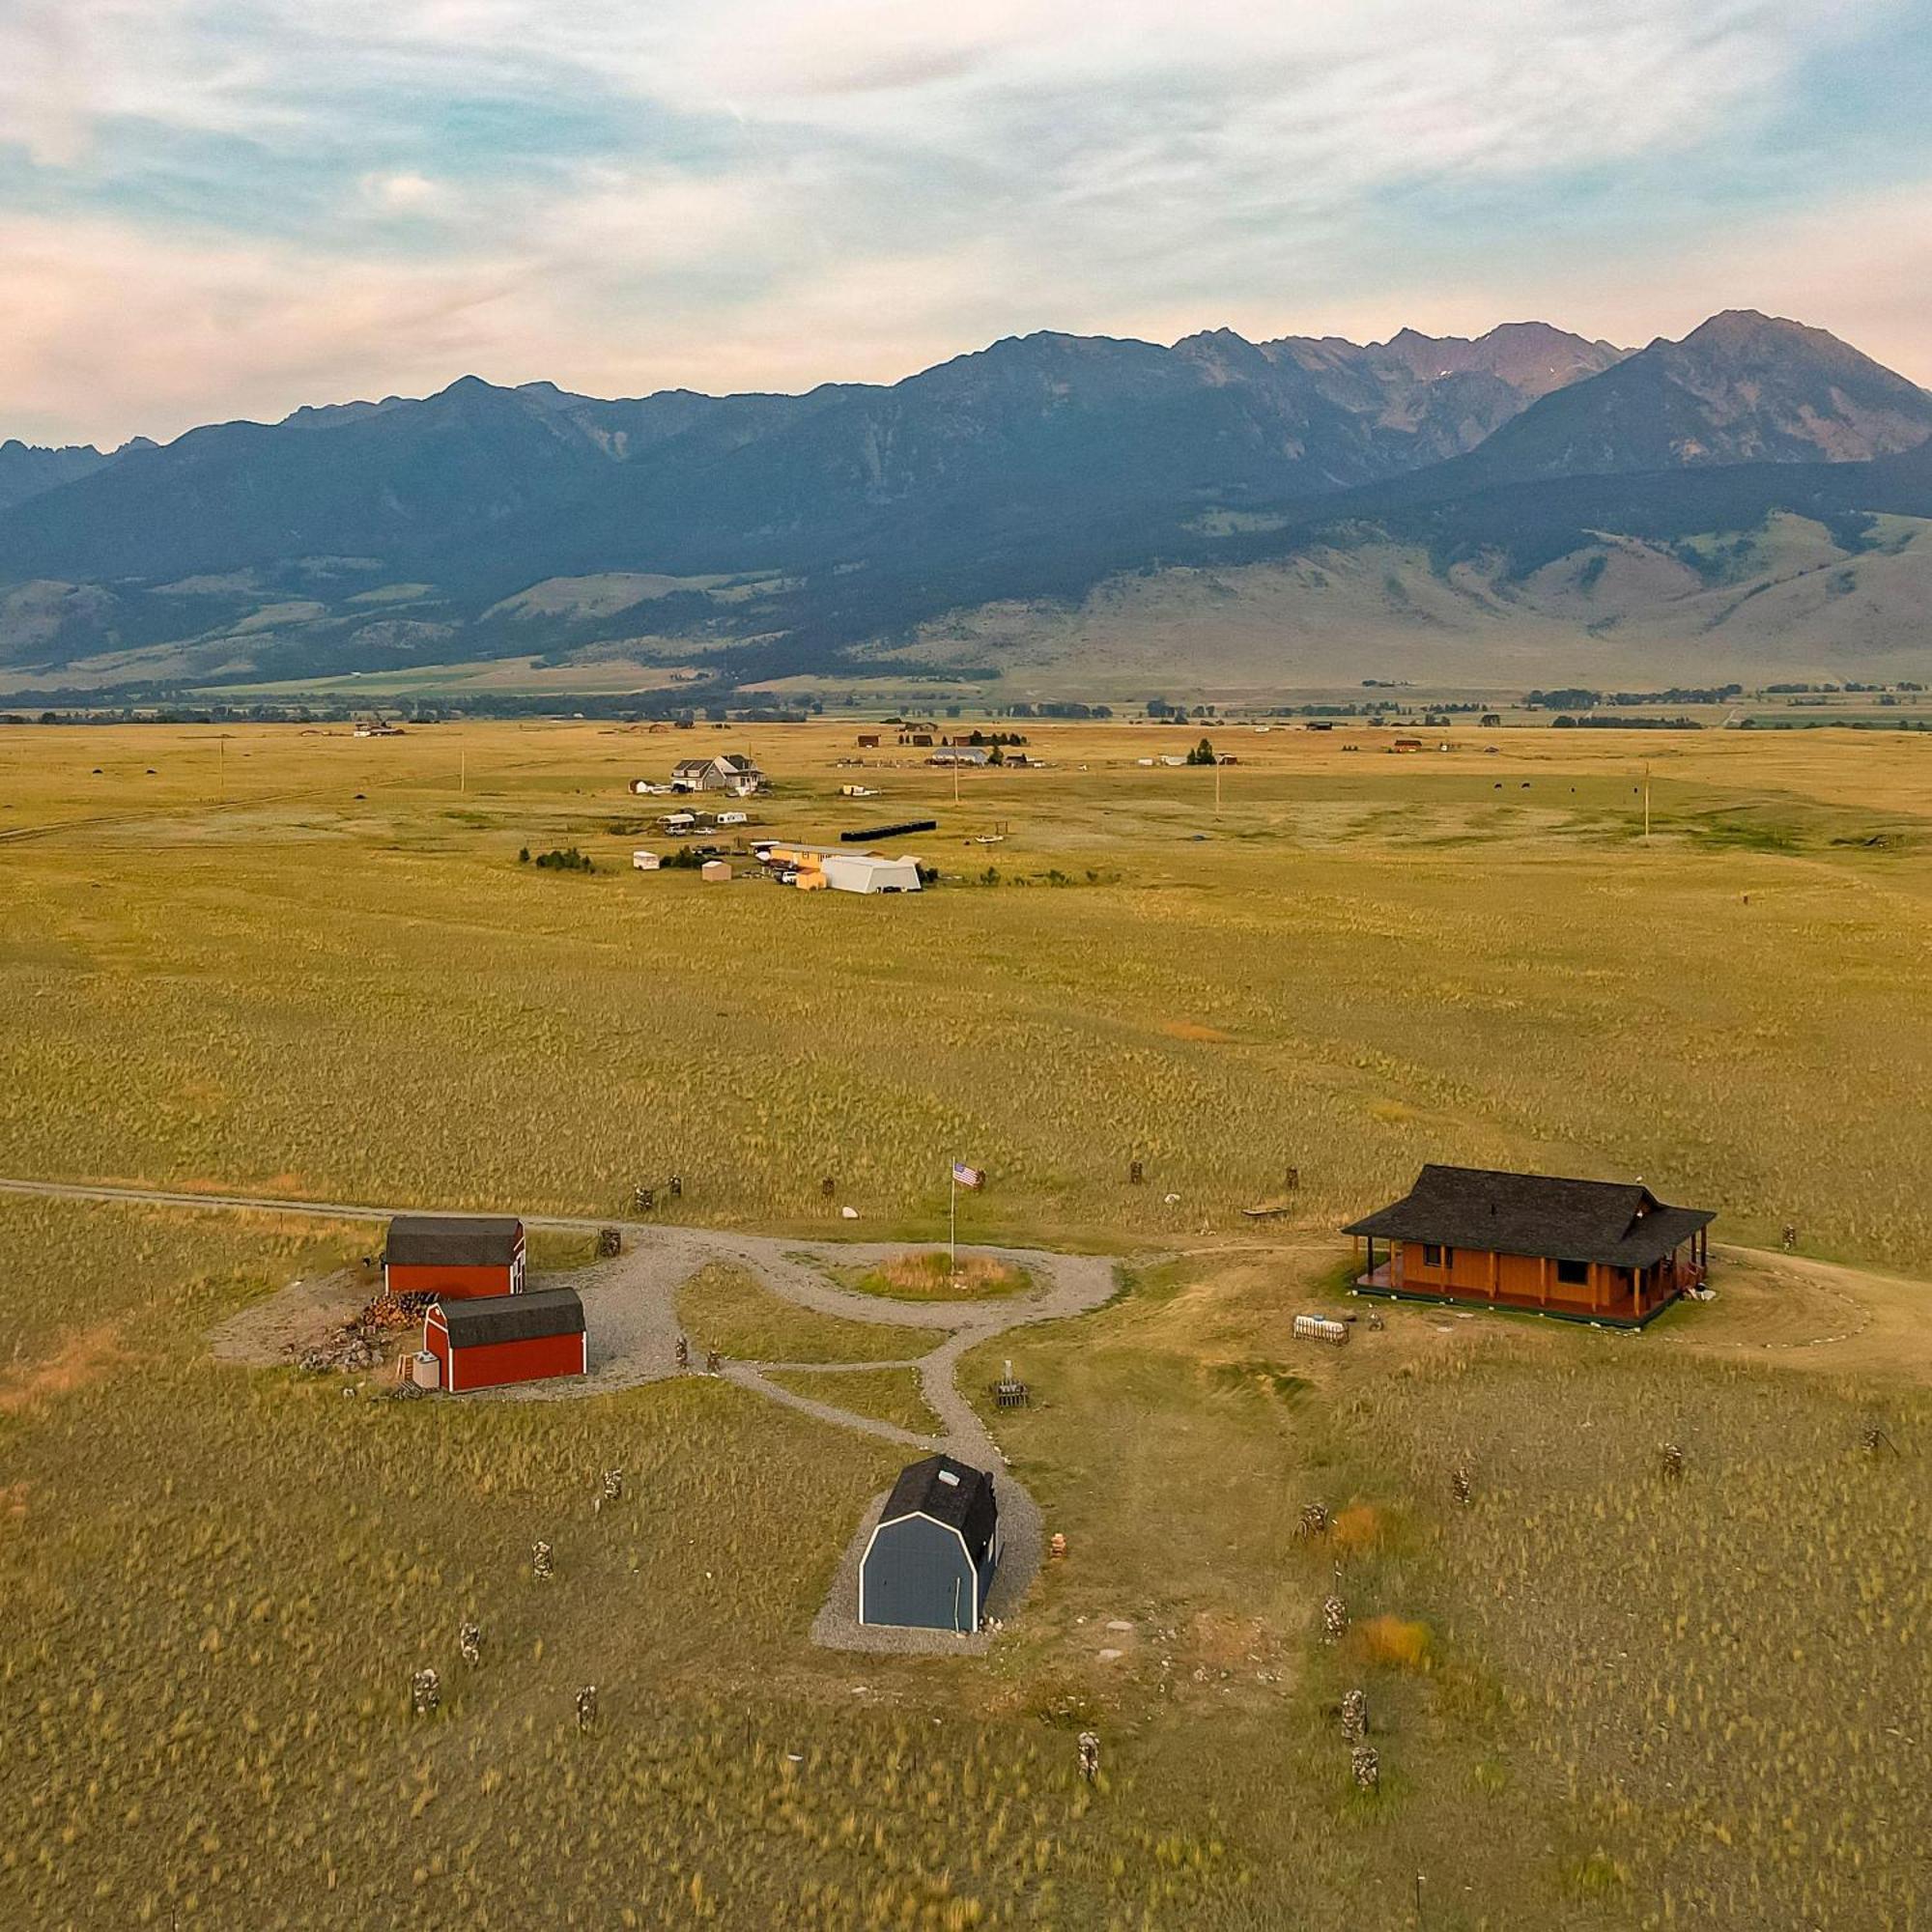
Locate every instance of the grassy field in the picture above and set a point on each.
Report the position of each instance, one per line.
(891, 1395)
(310, 965)
(724, 1308)
(340, 983)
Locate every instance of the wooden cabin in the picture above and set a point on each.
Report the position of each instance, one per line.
(1589, 1250)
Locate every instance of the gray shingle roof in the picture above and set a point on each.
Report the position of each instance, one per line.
(475, 1322)
(1621, 1224)
(452, 1241)
(964, 1503)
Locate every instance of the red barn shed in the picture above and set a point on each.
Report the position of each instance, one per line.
(488, 1342)
(451, 1256)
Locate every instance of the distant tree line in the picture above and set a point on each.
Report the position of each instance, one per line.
(1575, 697)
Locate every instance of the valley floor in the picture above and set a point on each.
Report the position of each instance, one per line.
(1601, 1695)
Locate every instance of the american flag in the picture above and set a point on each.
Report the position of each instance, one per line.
(967, 1177)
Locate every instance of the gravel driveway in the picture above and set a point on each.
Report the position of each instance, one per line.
(631, 1306)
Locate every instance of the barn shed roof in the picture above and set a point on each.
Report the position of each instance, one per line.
(950, 1492)
(1619, 1223)
(451, 1240)
(480, 1320)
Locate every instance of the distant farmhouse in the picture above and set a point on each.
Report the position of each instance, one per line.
(929, 1563)
(730, 772)
(1592, 1250)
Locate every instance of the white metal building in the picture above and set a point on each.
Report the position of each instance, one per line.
(868, 873)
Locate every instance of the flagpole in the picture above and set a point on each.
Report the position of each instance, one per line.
(952, 1222)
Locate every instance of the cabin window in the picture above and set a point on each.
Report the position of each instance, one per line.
(1574, 1275)
(1434, 1256)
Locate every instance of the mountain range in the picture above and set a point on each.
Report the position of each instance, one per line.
(1062, 510)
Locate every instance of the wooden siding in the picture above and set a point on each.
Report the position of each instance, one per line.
(499, 1364)
(459, 1284)
(1482, 1276)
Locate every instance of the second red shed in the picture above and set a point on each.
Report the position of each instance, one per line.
(508, 1338)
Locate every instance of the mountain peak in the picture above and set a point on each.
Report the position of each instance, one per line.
(1735, 330)
(1532, 357)
(1741, 387)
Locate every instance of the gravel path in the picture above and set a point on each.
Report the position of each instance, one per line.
(631, 1309)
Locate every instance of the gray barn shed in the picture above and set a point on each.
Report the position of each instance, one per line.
(929, 1563)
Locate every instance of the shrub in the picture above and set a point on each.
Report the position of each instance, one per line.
(1401, 1643)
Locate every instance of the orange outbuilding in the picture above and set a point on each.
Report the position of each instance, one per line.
(454, 1256)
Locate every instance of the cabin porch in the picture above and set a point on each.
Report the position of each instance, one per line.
(1535, 1283)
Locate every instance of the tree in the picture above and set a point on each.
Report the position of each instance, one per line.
(1201, 754)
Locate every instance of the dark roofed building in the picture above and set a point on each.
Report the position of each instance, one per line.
(454, 1255)
(489, 1342)
(929, 1563)
(1601, 1250)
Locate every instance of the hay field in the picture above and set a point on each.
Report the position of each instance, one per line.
(339, 982)
(1601, 1700)
(222, 1577)
(220, 1580)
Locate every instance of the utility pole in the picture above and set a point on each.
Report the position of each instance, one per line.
(221, 766)
(1217, 787)
(462, 768)
(1646, 801)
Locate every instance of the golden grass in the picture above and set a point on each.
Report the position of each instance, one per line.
(1718, 1675)
(1413, 959)
(1645, 1704)
(1399, 1643)
(928, 1277)
(1358, 1528)
(889, 1395)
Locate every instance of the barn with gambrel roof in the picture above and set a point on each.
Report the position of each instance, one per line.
(929, 1563)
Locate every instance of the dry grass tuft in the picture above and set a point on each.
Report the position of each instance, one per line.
(925, 1276)
(1359, 1527)
(1399, 1643)
(83, 1356)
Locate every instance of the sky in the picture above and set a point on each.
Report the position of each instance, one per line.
(215, 209)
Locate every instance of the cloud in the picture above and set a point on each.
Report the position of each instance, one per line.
(381, 193)
(405, 193)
